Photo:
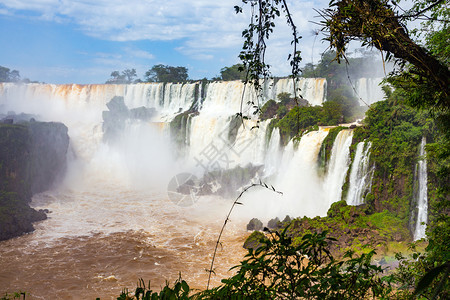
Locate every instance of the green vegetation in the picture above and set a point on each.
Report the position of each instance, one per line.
(17, 295)
(127, 76)
(353, 227)
(6, 75)
(293, 120)
(162, 73)
(327, 145)
(341, 79)
(423, 78)
(280, 270)
(235, 72)
(395, 131)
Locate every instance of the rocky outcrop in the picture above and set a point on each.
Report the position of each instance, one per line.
(32, 158)
(255, 224)
(47, 164)
(118, 113)
(351, 227)
(274, 223)
(254, 241)
(227, 183)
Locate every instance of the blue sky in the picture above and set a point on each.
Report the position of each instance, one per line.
(83, 41)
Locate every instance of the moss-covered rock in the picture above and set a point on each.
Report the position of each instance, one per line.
(255, 240)
(269, 110)
(254, 224)
(351, 226)
(327, 146)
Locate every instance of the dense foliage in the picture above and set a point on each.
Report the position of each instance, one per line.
(6, 75)
(294, 118)
(279, 270)
(124, 77)
(162, 73)
(235, 72)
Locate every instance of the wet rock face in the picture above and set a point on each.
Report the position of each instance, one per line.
(274, 223)
(255, 224)
(118, 114)
(49, 145)
(228, 183)
(32, 158)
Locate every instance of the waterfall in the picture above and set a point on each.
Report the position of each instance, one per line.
(369, 90)
(421, 194)
(338, 166)
(169, 99)
(273, 153)
(360, 179)
(118, 202)
(142, 155)
(297, 177)
(300, 178)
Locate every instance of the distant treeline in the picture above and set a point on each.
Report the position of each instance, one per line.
(165, 73)
(8, 75)
(337, 74)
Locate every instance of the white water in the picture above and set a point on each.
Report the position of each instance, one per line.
(368, 90)
(143, 155)
(422, 200)
(273, 153)
(338, 166)
(297, 177)
(360, 179)
(118, 192)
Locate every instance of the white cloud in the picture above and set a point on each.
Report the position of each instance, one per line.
(205, 26)
(131, 52)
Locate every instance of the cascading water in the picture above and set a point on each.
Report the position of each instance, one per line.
(297, 176)
(421, 194)
(116, 192)
(273, 153)
(338, 166)
(360, 179)
(369, 90)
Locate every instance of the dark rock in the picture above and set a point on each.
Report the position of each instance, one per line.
(230, 181)
(17, 118)
(274, 223)
(49, 145)
(115, 117)
(235, 124)
(254, 241)
(254, 224)
(117, 105)
(205, 189)
(188, 187)
(142, 113)
(32, 156)
(287, 219)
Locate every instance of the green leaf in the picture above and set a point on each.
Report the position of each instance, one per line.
(184, 286)
(428, 278)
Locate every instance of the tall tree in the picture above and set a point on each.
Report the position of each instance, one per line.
(127, 76)
(375, 24)
(235, 72)
(165, 73)
(424, 74)
(6, 75)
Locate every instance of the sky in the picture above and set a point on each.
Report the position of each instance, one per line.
(83, 41)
